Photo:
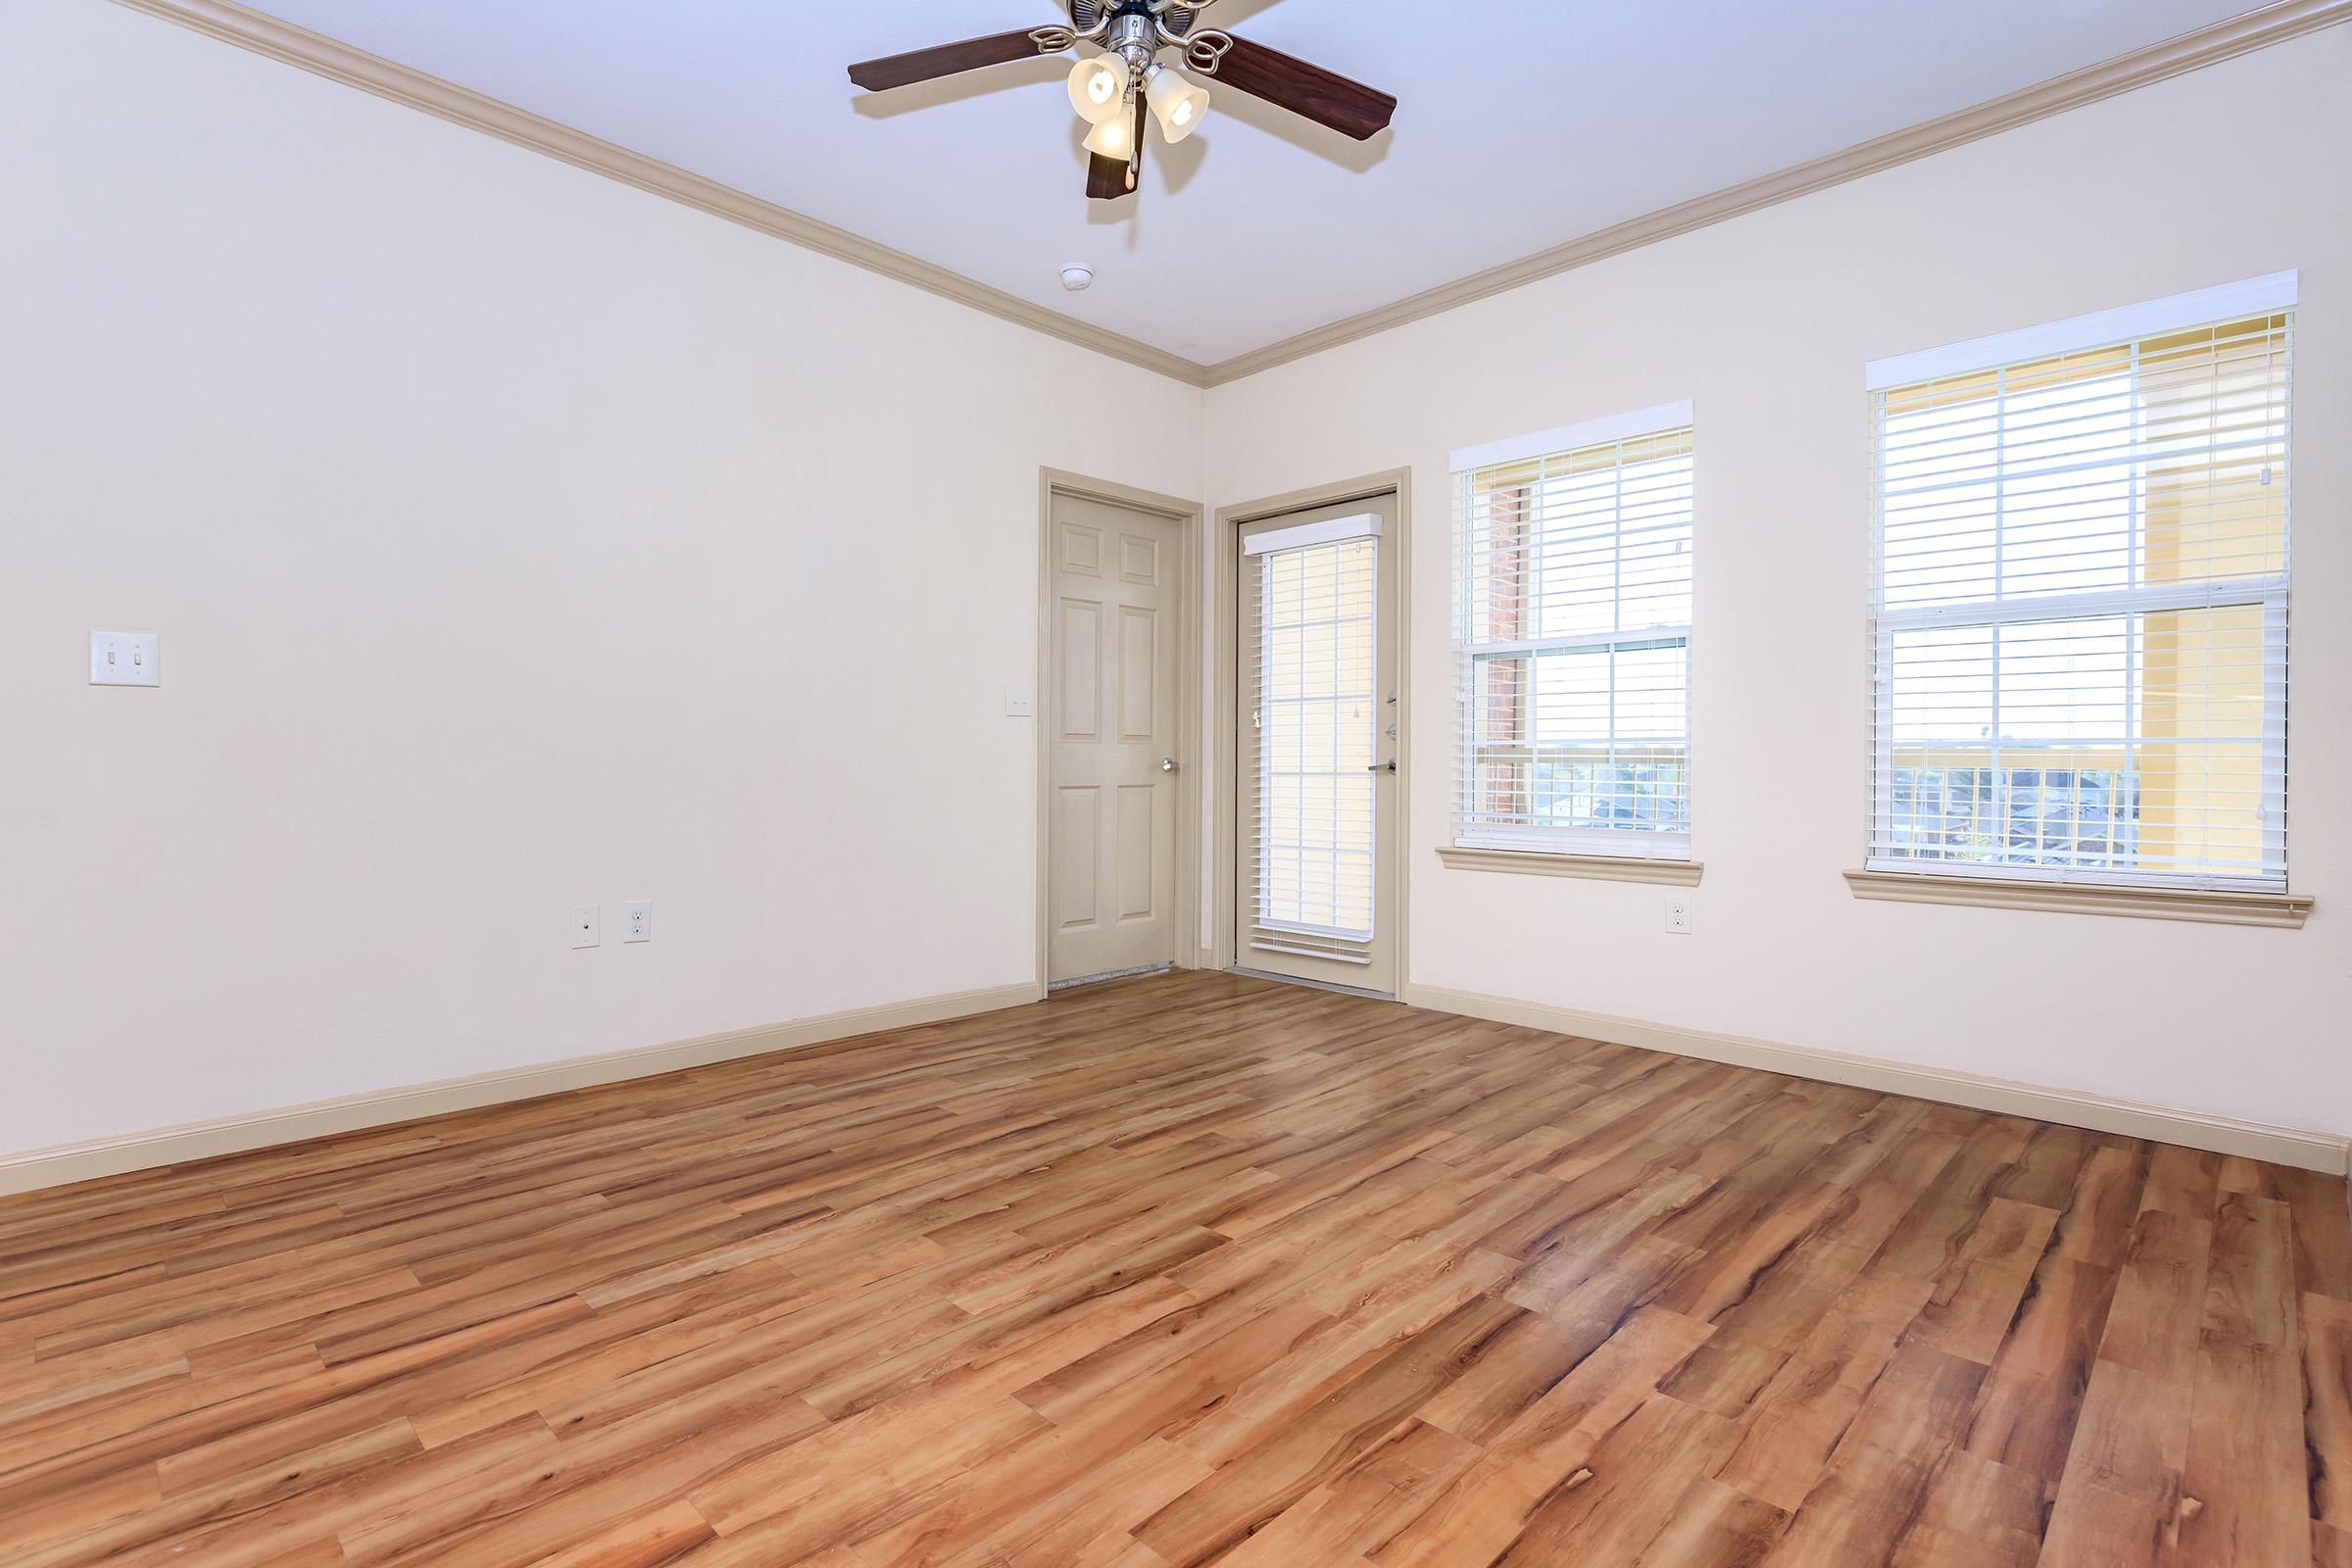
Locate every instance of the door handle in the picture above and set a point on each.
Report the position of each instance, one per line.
(1167, 765)
(1382, 767)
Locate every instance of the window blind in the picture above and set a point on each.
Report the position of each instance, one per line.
(2080, 618)
(1309, 673)
(1572, 634)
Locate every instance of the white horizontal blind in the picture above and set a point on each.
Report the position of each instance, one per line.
(1572, 633)
(2079, 620)
(1310, 654)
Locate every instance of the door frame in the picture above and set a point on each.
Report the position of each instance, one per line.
(1189, 727)
(1225, 578)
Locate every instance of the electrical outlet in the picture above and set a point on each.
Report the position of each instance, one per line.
(1678, 913)
(584, 922)
(638, 923)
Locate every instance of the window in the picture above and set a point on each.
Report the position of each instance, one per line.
(1572, 631)
(1312, 670)
(2079, 620)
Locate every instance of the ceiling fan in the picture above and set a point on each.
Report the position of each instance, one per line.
(1117, 90)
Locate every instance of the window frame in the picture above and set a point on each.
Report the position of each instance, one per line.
(2127, 328)
(1609, 853)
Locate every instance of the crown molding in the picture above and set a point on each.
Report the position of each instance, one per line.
(355, 68)
(247, 29)
(2190, 51)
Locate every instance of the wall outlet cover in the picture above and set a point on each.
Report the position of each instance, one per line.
(584, 922)
(637, 922)
(1678, 913)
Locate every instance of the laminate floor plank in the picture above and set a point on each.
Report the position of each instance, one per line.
(1184, 1270)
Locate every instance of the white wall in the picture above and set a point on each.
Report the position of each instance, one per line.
(517, 540)
(1766, 322)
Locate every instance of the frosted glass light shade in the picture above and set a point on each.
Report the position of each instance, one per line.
(1113, 138)
(1179, 106)
(1099, 88)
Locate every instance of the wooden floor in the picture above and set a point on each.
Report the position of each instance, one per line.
(1184, 1270)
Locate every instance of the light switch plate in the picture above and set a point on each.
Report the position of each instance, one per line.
(584, 922)
(1020, 699)
(127, 659)
(637, 923)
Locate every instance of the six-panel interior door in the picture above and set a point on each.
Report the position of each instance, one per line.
(1116, 580)
(1316, 815)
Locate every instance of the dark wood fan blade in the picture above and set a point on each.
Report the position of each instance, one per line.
(1348, 107)
(949, 59)
(1106, 178)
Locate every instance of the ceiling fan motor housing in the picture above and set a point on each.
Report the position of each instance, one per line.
(1176, 20)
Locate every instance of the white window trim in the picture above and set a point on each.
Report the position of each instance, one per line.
(1605, 854)
(1327, 531)
(2100, 329)
(1632, 427)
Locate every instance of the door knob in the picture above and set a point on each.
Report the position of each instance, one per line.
(1167, 765)
(1382, 767)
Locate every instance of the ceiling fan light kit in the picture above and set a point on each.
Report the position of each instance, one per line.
(1118, 90)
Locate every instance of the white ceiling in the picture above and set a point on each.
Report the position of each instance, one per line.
(1553, 121)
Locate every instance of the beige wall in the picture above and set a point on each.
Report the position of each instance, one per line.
(517, 540)
(1766, 323)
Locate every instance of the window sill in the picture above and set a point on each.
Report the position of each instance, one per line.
(2081, 898)
(1592, 868)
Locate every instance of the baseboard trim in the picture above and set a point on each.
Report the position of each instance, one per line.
(293, 1124)
(2282, 1145)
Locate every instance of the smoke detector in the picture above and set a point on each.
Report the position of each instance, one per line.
(1077, 278)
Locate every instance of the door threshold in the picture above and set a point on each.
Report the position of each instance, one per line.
(1115, 975)
(1312, 985)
